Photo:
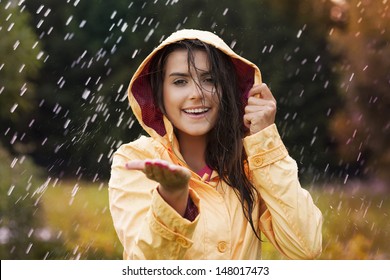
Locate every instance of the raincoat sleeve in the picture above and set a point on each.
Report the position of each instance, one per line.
(147, 226)
(291, 222)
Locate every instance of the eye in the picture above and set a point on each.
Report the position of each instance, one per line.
(179, 82)
(209, 80)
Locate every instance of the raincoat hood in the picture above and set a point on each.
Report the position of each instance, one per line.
(140, 94)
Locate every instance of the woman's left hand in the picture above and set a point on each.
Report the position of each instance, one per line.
(261, 109)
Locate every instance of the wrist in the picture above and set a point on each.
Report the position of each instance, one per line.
(176, 198)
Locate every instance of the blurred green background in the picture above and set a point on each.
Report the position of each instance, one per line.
(64, 71)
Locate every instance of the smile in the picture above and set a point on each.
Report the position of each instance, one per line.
(196, 111)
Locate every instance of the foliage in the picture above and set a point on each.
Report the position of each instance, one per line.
(91, 52)
(356, 224)
(87, 228)
(363, 127)
(20, 60)
(23, 233)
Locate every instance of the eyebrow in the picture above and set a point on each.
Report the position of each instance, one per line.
(180, 74)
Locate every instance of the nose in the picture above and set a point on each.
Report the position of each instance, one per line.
(195, 91)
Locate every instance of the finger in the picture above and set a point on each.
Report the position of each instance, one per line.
(259, 105)
(247, 121)
(255, 91)
(148, 169)
(261, 91)
(266, 93)
(154, 169)
(135, 165)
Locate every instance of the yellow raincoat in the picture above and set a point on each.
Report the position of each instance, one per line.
(149, 228)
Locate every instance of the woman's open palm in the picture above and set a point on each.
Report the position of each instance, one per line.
(171, 177)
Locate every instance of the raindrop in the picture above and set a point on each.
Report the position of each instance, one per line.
(124, 27)
(113, 15)
(40, 23)
(17, 43)
(82, 23)
(75, 189)
(21, 68)
(14, 138)
(29, 248)
(86, 93)
(57, 148)
(134, 53)
(66, 123)
(299, 33)
(327, 167)
(40, 9)
(346, 179)
(13, 187)
(13, 163)
(40, 54)
(13, 108)
(225, 11)
(326, 84)
(100, 157)
(35, 45)
(69, 20)
(149, 35)
(47, 12)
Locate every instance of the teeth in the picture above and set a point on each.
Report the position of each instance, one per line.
(196, 111)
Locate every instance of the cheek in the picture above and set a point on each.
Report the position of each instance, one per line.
(215, 99)
(169, 102)
(165, 98)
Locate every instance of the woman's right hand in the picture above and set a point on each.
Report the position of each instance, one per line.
(173, 180)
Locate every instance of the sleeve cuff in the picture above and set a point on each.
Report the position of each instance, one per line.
(168, 223)
(264, 148)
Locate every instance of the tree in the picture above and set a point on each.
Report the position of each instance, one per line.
(93, 50)
(362, 129)
(20, 61)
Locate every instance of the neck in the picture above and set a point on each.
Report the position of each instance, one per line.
(193, 149)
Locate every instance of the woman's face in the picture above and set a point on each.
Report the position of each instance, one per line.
(190, 97)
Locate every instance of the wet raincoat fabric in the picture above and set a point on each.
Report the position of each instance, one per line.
(149, 228)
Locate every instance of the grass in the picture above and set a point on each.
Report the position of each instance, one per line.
(79, 215)
(356, 222)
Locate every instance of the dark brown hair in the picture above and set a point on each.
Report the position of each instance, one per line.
(224, 151)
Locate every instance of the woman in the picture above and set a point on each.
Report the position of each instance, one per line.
(213, 173)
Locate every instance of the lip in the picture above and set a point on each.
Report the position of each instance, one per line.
(199, 115)
(197, 107)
